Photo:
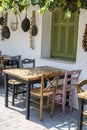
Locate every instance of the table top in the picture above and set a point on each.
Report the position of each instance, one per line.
(6, 57)
(31, 73)
(83, 95)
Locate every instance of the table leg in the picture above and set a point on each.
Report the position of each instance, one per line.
(6, 89)
(80, 114)
(28, 101)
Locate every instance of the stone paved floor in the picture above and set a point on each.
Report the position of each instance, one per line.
(13, 118)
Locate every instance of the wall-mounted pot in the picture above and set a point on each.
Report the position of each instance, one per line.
(6, 32)
(25, 23)
(1, 20)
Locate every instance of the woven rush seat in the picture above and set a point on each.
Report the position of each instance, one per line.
(14, 82)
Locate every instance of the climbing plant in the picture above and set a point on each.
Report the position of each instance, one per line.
(68, 6)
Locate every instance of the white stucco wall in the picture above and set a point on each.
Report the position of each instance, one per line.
(18, 43)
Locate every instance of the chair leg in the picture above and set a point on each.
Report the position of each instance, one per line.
(23, 90)
(13, 96)
(71, 102)
(41, 108)
(63, 103)
(16, 89)
(52, 107)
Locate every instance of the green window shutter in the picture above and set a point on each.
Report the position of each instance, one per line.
(64, 36)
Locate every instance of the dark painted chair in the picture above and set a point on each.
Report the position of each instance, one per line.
(17, 57)
(15, 86)
(27, 63)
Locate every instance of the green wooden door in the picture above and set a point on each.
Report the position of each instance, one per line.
(64, 36)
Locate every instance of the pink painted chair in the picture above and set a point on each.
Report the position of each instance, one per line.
(65, 91)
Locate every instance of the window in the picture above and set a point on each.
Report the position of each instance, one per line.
(64, 36)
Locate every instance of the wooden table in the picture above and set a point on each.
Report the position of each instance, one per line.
(82, 98)
(27, 76)
(6, 57)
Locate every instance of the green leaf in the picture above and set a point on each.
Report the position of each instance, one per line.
(79, 3)
(1, 8)
(68, 14)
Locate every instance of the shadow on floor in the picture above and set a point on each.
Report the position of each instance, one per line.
(18, 111)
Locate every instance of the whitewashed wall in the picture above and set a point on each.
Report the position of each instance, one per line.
(18, 43)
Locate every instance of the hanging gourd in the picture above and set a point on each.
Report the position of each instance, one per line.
(84, 41)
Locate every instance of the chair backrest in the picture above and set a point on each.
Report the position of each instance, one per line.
(1, 64)
(12, 63)
(81, 86)
(70, 78)
(52, 82)
(18, 57)
(26, 62)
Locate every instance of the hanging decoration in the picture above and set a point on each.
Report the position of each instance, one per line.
(14, 22)
(84, 41)
(30, 32)
(25, 23)
(33, 29)
(1, 26)
(6, 30)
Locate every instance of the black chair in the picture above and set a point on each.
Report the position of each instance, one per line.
(26, 62)
(17, 57)
(15, 86)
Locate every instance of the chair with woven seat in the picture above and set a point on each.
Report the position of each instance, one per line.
(27, 63)
(65, 91)
(81, 87)
(40, 95)
(15, 86)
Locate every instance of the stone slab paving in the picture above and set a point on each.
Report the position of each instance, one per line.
(13, 118)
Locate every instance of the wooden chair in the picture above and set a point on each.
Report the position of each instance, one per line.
(81, 87)
(15, 86)
(40, 94)
(65, 91)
